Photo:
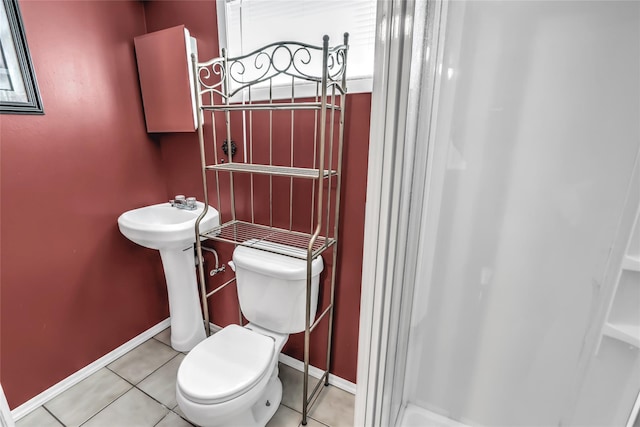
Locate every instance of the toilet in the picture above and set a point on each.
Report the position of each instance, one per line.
(231, 378)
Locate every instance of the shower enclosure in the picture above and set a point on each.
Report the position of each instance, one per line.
(506, 289)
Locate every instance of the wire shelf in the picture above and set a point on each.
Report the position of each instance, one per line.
(286, 171)
(248, 234)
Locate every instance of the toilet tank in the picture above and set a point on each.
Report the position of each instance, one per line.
(272, 287)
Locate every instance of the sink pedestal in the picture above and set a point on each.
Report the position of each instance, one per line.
(171, 230)
(187, 328)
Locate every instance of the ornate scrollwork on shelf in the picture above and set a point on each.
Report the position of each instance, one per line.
(211, 76)
(336, 63)
(293, 59)
(270, 66)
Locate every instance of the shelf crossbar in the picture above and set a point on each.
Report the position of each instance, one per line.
(274, 106)
(286, 171)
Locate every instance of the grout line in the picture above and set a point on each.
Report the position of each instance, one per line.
(101, 409)
(109, 404)
(314, 419)
(165, 415)
(293, 409)
(158, 368)
(164, 344)
(315, 400)
(152, 398)
(319, 422)
(189, 421)
(94, 415)
(308, 416)
(121, 377)
(144, 392)
(56, 418)
(152, 372)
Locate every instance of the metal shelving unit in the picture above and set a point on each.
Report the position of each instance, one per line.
(240, 90)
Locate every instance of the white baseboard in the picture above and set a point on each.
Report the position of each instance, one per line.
(335, 381)
(298, 365)
(76, 377)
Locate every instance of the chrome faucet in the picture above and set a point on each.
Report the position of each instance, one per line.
(180, 202)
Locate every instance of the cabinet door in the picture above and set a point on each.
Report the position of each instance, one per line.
(164, 69)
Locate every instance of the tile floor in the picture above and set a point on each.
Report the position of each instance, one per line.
(137, 390)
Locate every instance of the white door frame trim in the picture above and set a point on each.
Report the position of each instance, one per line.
(403, 96)
(6, 420)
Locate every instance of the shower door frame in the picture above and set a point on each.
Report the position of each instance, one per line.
(408, 63)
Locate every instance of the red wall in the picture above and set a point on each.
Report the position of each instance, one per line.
(72, 287)
(181, 164)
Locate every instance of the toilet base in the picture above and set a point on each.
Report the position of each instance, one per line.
(268, 404)
(256, 416)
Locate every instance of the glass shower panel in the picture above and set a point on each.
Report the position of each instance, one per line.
(537, 134)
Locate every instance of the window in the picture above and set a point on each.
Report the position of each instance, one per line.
(246, 25)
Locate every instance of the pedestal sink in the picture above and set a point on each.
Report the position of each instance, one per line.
(171, 230)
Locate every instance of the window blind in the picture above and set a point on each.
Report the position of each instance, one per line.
(251, 24)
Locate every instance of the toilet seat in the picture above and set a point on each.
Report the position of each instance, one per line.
(225, 365)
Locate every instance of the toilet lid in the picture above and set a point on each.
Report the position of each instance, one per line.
(225, 365)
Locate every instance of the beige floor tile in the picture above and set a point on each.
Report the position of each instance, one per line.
(164, 337)
(312, 423)
(178, 411)
(133, 409)
(82, 401)
(285, 417)
(291, 387)
(38, 418)
(173, 420)
(334, 407)
(142, 360)
(161, 385)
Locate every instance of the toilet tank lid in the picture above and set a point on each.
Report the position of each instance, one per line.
(275, 265)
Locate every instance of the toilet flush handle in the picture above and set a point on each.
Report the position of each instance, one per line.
(232, 265)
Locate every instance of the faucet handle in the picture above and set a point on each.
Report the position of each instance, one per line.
(179, 198)
(191, 202)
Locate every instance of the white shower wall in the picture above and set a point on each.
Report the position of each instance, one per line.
(537, 132)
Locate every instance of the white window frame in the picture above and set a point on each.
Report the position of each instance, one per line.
(302, 90)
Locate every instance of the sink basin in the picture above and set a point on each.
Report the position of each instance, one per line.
(163, 226)
(172, 231)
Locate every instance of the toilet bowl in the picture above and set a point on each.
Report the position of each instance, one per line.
(231, 378)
